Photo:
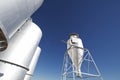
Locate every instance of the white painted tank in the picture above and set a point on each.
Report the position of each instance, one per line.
(15, 60)
(13, 14)
(75, 51)
(32, 65)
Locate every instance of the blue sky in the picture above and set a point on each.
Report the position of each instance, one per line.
(96, 21)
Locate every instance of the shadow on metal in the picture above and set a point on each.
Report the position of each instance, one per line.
(3, 41)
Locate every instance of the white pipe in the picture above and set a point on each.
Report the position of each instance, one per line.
(15, 60)
(33, 63)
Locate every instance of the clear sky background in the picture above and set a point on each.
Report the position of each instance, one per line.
(96, 21)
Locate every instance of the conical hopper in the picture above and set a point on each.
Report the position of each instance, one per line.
(75, 51)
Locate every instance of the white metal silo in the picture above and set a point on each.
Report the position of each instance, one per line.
(15, 60)
(74, 45)
(78, 63)
(13, 14)
(19, 38)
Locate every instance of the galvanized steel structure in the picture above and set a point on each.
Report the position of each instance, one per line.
(89, 69)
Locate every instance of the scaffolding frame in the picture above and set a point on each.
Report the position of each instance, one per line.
(91, 73)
